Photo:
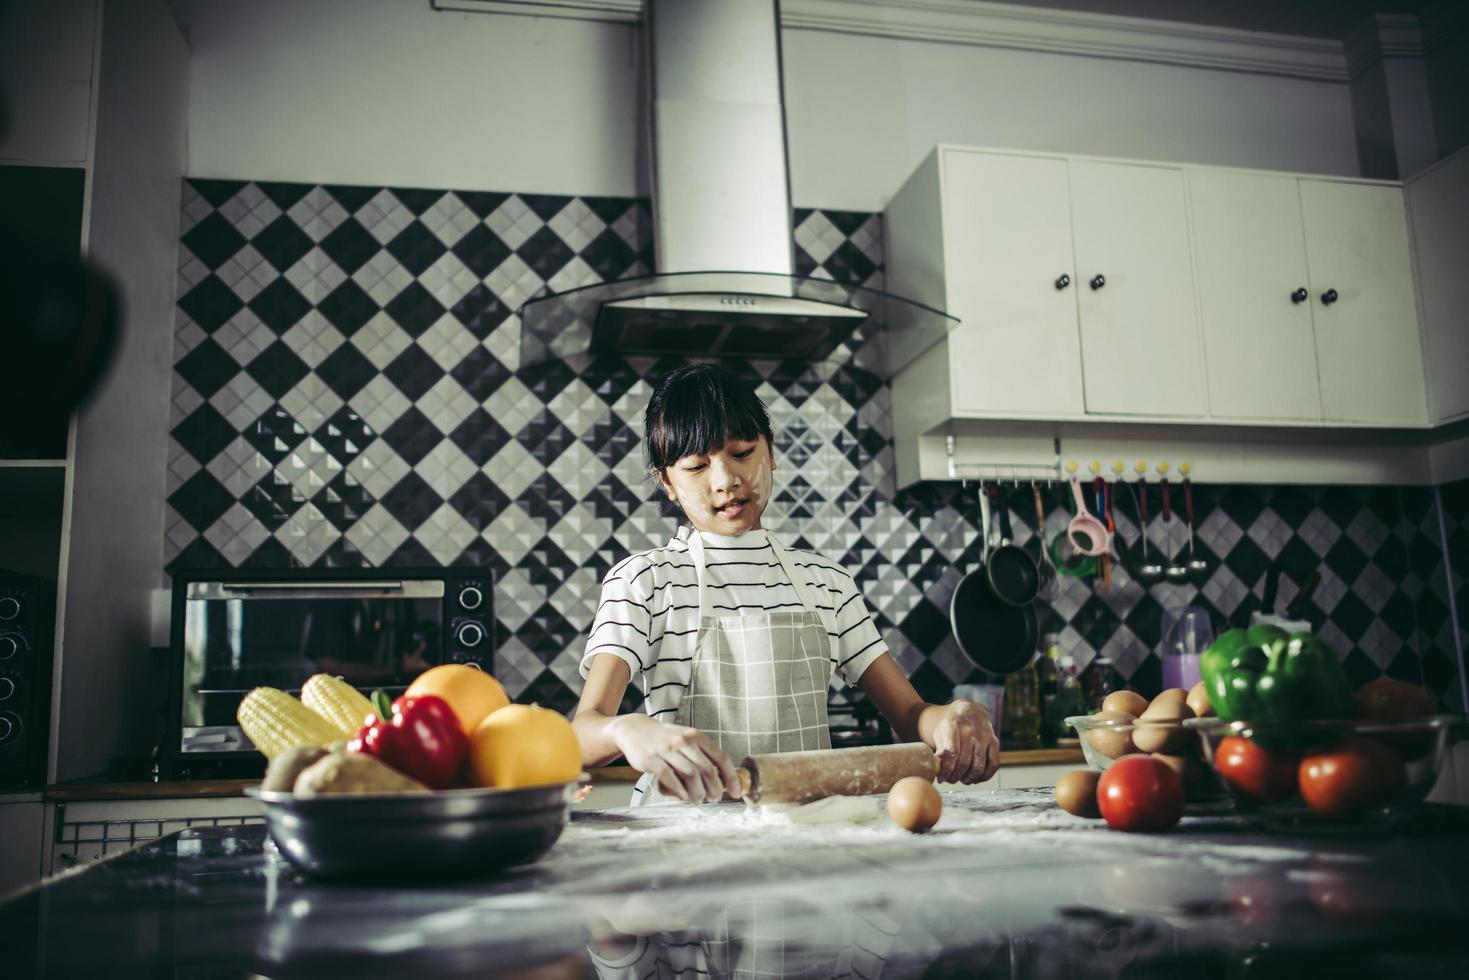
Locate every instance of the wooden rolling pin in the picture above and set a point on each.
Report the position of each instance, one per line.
(800, 777)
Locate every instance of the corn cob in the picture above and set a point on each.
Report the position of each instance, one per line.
(338, 702)
(274, 721)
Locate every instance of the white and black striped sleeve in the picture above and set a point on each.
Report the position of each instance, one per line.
(624, 621)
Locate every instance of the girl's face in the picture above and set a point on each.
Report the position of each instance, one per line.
(723, 492)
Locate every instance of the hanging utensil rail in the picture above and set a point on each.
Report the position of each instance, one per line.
(1000, 471)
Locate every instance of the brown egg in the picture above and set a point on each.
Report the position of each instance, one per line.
(1158, 728)
(1171, 694)
(1128, 702)
(1109, 741)
(914, 804)
(1198, 700)
(1076, 793)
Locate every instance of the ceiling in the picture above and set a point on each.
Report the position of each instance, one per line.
(1332, 19)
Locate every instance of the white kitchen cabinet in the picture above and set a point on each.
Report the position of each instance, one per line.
(47, 58)
(1003, 237)
(1368, 352)
(1437, 204)
(1071, 281)
(1306, 299)
(1140, 347)
(1250, 251)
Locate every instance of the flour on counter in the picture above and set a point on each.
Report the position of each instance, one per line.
(831, 810)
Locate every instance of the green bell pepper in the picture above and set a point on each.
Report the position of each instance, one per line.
(1264, 675)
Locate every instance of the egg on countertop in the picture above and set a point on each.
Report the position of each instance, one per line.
(914, 804)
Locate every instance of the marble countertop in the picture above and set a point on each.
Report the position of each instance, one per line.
(1006, 885)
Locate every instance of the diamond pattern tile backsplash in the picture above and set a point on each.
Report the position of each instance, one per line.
(1455, 501)
(347, 391)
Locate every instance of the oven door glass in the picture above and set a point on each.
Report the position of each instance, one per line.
(238, 636)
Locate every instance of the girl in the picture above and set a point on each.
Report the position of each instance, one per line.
(733, 637)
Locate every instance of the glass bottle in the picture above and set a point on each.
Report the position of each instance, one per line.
(1046, 685)
(1099, 680)
(1069, 701)
(1022, 724)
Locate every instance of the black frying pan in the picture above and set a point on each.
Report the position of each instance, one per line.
(1012, 573)
(997, 636)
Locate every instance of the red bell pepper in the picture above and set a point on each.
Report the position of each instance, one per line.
(423, 739)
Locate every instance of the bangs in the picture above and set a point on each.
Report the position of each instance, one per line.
(695, 411)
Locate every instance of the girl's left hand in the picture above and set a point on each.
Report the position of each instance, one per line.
(965, 743)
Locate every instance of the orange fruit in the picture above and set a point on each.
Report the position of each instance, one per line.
(524, 745)
(471, 692)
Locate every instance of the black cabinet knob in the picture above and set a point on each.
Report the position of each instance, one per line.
(1329, 297)
(1300, 295)
(1063, 282)
(1098, 281)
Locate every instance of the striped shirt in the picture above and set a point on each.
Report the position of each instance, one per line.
(649, 611)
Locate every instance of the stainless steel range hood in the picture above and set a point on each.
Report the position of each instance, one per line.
(725, 283)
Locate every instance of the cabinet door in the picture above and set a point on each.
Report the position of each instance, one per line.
(1007, 238)
(20, 858)
(1436, 204)
(1140, 349)
(1368, 350)
(1250, 256)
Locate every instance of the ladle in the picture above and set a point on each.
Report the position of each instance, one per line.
(1176, 572)
(1049, 579)
(1149, 572)
(1198, 568)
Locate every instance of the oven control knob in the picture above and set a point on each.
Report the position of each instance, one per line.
(470, 597)
(9, 607)
(10, 645)
(471, 634)
(10, 727)
(7, 688)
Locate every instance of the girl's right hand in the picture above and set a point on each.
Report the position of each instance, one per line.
(685, 762)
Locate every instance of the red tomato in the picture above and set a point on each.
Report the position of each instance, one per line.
(1253, 772)
(1138, 792)
(1355, 775)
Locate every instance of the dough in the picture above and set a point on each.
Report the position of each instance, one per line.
(836, 809)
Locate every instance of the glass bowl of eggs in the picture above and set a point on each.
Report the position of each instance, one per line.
(1327, 776)
(1129, 724)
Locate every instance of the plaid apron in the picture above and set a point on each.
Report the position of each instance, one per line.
(758, 682)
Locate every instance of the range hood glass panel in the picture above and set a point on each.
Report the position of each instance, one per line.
(734, 314)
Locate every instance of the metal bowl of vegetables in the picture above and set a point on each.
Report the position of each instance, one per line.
(427, 836)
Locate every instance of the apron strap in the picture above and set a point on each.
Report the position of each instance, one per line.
(802, 587)
(696, 551)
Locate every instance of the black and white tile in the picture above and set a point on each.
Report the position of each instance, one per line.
(348, 391)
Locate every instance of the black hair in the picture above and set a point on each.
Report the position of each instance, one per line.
(696, 409)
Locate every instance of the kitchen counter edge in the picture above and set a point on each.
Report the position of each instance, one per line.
(75, 792)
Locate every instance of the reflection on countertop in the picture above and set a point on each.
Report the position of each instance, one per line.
(1006, 885)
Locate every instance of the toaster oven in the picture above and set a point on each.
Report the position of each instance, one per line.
(239, 629)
